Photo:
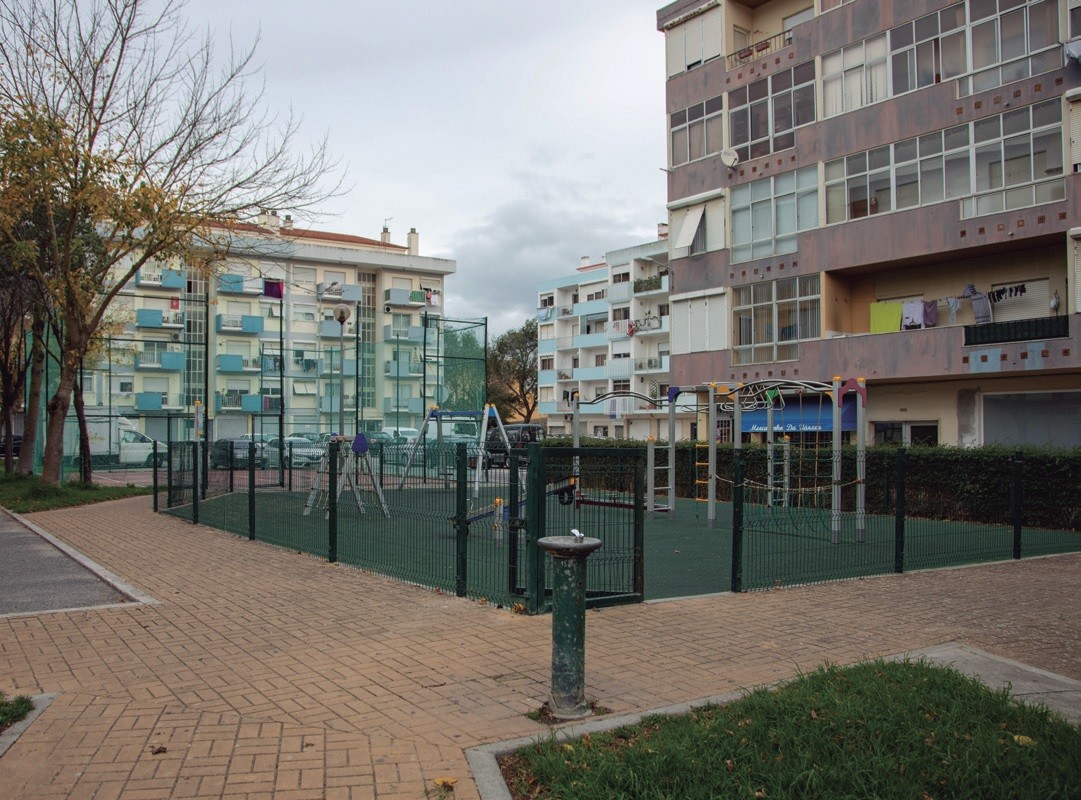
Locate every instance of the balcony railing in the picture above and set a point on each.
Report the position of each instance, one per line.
(1021, 330)
(762, 47)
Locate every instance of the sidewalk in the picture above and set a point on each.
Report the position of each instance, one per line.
(267, 673)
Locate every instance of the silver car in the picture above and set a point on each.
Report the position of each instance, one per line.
(298, 452)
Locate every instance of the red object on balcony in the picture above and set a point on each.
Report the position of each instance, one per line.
(746, 53)
(763, 45)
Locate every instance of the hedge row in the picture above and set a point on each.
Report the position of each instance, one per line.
(970, 484)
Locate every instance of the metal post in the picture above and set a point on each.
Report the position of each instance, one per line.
(332, 503)
(341, 313)
(251, 488)
(835, 501)
(536, 524)
(196, 484)
(155, 471)
(737, 517)
(651, 487)
(711, 460)
(461, 524)
(1016, 499)
(569, 554)
(787, 447)
(769, 453)
(861, 464)
(673, 393)
(899, 515)
(169, 466)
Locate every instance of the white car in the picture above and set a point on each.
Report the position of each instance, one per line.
(297, 452)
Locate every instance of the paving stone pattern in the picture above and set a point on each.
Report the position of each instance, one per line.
(264, 673)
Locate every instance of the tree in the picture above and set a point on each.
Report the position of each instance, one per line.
(138, 147)
(512, 372)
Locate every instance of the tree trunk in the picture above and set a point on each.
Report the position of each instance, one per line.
(85, 474)
(33, 401)
(9, 431)
(73, 348)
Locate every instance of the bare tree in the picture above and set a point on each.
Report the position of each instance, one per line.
(145, 147)
(512, 372)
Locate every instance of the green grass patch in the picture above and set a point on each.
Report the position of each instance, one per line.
(13, 709)
(24, 494)
(907, 730)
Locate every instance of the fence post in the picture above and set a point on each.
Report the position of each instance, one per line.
(332, 503)
(196, 483)
(232, 467)
(290, 466)
(251, 489)
(535, 525)
(461, 523)
(737, 521)
(899, 514)
(639, 526)
(1016, 498)
(515, 524)
(155, 479)
(204, 463)
(169, 468)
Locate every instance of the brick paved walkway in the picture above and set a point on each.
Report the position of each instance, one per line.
(267, 673)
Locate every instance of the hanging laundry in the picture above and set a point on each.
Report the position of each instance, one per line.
(981, 308)
(930, 313)
(954, 304)
(912, 315)
(886, 317)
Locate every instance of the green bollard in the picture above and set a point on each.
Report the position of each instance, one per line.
(569, 554)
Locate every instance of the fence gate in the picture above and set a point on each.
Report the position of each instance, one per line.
(601, 493)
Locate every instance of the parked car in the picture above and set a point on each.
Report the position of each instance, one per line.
(16, 445)
(519, 436)
(406, 435)
(219, 453)
(296, 452)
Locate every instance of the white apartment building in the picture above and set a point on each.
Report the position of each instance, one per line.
(606, 329)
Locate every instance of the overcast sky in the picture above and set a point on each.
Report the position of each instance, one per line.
(515, 136)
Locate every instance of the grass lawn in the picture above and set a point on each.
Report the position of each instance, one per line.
(13, 709)
(24, 494)
(877, 730)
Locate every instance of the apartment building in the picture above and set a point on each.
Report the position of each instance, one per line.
(606, 329)
(886, 190)
(260, 337)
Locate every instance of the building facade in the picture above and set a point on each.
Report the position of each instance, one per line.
(260, 338)
(885, 190)
(603, 330)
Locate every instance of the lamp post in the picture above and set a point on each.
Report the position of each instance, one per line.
(341, 313)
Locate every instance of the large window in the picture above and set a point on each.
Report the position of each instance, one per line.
(855, 76)
(1011, 40)
(764, 114)
(1008, 161)
(770, 317)
(697, 130)
(929, 50)
(767, 213)
(1075, 18)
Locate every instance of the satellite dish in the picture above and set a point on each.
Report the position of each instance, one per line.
(729, 157)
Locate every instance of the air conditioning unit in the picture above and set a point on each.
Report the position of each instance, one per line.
(175, 336)
(387, 309)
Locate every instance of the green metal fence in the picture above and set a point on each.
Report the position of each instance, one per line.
(428, 517)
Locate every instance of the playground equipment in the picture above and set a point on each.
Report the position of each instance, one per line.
(346, 474)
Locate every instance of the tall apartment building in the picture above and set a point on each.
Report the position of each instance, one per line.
(886, 190)
(605, 329)
(262, 333)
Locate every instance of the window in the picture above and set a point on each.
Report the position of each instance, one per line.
(621, 313)
(621, 386)
(694, 41)
(621, 277)
(330, 276)
(547, 362)
(929, 50)
(1075, 18)
(304, 387)
(918, 434)
(696, 131)
(768, 213)
(600, 430)
(764, 113)
(854, 76)
(831, 4)
(600, 360)
(1011, 40)
(548, 301)
(304, 277)
(770, 317)
(303, 313)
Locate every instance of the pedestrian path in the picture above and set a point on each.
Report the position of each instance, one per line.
(261, 672)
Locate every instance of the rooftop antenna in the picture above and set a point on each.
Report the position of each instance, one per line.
(388, 219)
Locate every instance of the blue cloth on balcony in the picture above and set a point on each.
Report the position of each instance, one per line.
(981, 308)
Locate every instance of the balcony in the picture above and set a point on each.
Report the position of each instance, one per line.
(409, 298)
(620, 292)
(564, 312)
(153, 318)
(238, 323)
(654, 283)
(156, 401)
(620, 368)
(651, 326)
(403, 369)
(546, 376)
(763, 47)
(591, 339)
(596, 306)
(236, 400)
(328, 403)
(159, 279)
(620, 329)
(271, 403)
(332, 366)
(231, 283)
(168, 361)
(409, 405)
(337, 292)
(412, 333)
(591, 373)
(306, 364)
(565, 374)
(1021, 330)
(651, 364)
(546, 347)
(332, 329)
(232, 363)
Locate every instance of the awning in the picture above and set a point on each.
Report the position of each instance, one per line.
(803, 415)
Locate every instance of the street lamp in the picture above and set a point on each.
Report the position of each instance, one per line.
(341, 313)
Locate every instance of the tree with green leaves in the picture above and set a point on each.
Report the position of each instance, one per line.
(512, 372)
(133, 143)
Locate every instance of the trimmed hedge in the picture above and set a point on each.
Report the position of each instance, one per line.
(964, 484)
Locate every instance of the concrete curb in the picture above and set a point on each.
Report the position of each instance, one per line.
(129, 590)
(11, 735)
(1058, 692)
